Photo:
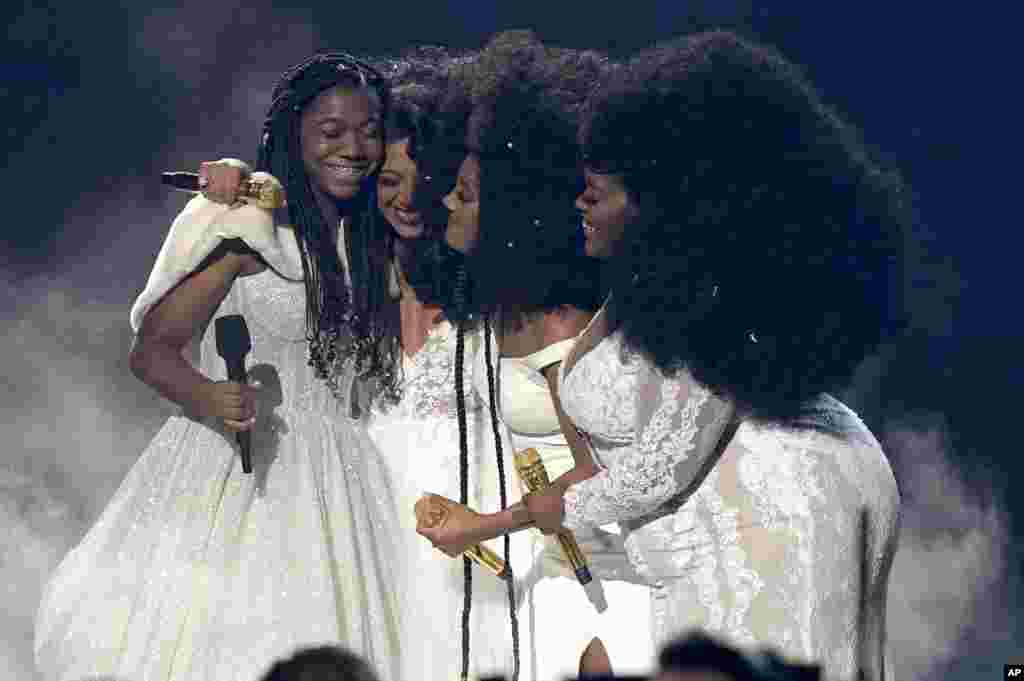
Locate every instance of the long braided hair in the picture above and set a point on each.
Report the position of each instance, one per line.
(460, 304)
(344, 323)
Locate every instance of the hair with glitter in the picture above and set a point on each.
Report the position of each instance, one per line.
(526, 103)
(767, 256)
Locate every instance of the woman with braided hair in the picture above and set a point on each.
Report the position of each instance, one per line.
(754, 253)
(197, 570)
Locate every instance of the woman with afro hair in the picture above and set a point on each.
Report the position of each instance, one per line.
(754, 252)
(511, 211)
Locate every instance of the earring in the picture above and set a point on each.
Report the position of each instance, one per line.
(394, 287)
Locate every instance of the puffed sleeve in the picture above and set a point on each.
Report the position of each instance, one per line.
(197, 231)
(678, 427)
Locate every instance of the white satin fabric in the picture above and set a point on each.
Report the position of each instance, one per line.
(559, 617)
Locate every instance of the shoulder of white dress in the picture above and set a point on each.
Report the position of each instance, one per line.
(546, 356)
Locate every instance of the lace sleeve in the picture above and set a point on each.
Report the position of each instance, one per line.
(678, 426)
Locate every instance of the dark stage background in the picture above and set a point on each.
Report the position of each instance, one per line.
(99, 98)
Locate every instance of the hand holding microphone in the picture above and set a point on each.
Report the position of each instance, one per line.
(448, 526)
(532, 472)
(228, 181)
(233, 344)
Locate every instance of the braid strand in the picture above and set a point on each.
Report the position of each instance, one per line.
(511, 584)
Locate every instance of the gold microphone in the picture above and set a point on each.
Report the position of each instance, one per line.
(486, 558)
(531, 470)
(261, 189)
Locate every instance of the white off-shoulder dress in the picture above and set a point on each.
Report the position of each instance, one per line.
(197, 571)
(559, 617)
(760, 547)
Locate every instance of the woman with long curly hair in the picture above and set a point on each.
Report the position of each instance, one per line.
(197, 570)
(754, 251)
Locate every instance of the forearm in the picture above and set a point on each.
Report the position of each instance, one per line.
(514, 518)
(164, 369)
(578, 473)
(156, 357)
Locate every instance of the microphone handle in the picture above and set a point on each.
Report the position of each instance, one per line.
(244, 439)
(533, 474)
(236, 373)
(489, 560)
(576, 558)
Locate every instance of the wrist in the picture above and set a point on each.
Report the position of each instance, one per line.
(200, 399)
(237, 163)
(487, 526)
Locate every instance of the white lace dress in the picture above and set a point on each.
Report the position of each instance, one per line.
(760, 548)
(419, 442)
(196, 571)
(559, 617)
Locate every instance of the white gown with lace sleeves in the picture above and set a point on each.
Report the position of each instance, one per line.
(759, 547)
(661, 433)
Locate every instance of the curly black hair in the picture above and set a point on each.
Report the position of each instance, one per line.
(431, 107)
(768, 252)
(526, 103)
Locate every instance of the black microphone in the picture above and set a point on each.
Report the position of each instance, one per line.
(233, 344)
(262, 189)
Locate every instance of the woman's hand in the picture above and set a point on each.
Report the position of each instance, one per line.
(221, 180)
(546, 508)
(231, 402)
(451, 527)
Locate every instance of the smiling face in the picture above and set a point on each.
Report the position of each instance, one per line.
(342, 140)
(606, 209)
(463, 204)
(396, 191)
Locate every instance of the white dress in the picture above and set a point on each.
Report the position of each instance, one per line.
(419, 442)
(761, 547)
(196, 571)
(559, 617)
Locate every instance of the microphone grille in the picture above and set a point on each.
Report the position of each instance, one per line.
(232, 336)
